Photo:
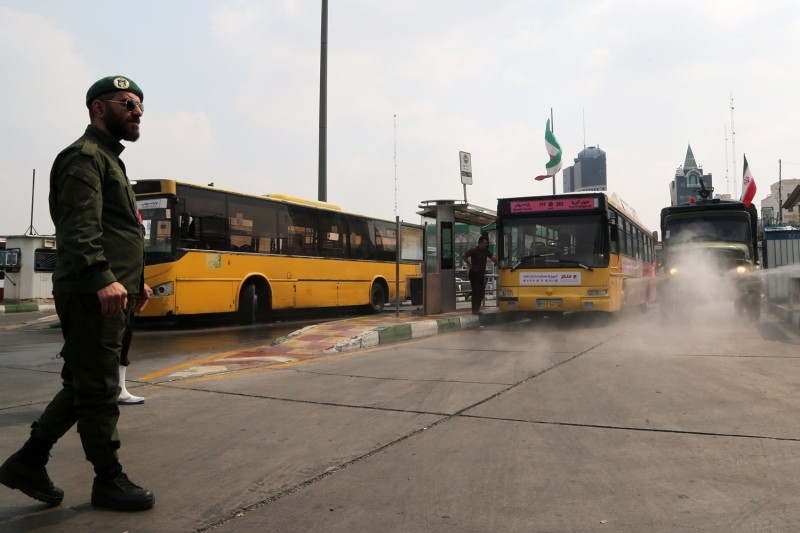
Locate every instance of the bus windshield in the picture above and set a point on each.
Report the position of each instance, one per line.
(707, 228)
(555, 241)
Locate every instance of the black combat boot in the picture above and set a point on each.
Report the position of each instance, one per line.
(114, 490)
(25, 470)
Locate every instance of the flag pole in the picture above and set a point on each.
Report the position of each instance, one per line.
(554, 151)
(552, 129)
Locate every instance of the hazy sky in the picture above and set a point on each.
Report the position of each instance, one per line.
(232, 94)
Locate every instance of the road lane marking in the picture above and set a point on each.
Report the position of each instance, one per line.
(187, 364)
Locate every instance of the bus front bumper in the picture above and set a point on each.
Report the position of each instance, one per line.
(555, 303)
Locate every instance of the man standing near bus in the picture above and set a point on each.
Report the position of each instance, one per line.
(98, 284)
(476, 261)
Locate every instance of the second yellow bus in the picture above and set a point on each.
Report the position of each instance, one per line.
(209, 251)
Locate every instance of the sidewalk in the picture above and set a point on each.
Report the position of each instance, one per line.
(370, 331)
(339, 336)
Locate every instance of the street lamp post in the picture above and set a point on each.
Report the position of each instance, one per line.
(322, 191)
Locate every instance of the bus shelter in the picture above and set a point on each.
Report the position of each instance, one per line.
(440, 218)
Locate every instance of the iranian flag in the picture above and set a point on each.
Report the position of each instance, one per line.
(748, 185)
(553, 150)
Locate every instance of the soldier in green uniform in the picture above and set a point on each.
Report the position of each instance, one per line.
(98, 284)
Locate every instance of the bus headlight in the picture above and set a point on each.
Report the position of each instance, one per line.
(165, 289)
(599, 292)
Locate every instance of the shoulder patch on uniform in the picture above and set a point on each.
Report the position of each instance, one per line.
(89, 148)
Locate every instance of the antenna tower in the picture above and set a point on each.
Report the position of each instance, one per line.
(584, 129)
(31, 230)
(727, 178)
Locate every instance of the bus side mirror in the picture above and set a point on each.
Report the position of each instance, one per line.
(183, 217)
(184, 221)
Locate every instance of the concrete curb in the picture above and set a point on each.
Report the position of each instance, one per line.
(27, 308)
(382, 335)
(789, 316)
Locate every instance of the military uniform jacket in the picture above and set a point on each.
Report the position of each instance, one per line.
(98, 236)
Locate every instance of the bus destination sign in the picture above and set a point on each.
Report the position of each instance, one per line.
(576, 203)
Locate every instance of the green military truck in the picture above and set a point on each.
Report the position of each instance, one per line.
(710, 253)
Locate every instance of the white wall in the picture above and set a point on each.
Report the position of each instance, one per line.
(27, 284)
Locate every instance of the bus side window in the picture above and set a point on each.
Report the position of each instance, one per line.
(356, 247)
(385, 241)
(361, 245)
(331, 235)
(294, 244)
(213, 232)
(614, 235)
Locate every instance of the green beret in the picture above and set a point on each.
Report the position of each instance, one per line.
(111, 84)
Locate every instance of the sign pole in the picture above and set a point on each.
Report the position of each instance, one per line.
(465, 162)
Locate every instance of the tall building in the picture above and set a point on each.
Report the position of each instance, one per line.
(588, 173)
(687, 180)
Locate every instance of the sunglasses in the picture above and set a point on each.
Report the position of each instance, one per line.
(129, 103)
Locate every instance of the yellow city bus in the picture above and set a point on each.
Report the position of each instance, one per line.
(209, 250)
(573, 252)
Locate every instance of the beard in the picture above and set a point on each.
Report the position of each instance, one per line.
(121, 128)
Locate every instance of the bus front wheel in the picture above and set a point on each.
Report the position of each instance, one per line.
(377, 299)
(248, 304)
